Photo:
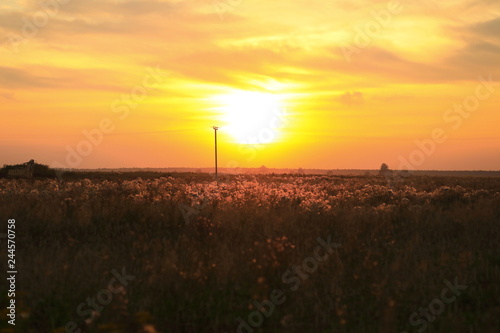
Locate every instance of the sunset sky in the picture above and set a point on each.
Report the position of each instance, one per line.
(314, 84)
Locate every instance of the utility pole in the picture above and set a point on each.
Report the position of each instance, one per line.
(215, 132)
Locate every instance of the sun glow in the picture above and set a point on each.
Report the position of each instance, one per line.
(252, 117)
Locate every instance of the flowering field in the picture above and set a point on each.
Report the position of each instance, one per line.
(265, 253)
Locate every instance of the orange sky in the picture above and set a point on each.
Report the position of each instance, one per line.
(313, 84)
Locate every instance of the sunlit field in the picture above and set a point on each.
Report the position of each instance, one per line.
(263, 253)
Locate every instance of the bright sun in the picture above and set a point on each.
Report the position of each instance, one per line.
(252, 117)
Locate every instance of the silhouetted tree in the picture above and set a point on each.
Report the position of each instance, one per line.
(384, 170)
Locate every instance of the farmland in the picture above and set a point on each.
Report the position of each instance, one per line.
(259, 253)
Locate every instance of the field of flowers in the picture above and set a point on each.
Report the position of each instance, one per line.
(262, 253)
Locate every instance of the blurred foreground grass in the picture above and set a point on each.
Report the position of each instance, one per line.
(200, 253)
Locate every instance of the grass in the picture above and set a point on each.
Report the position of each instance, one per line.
(201, 253)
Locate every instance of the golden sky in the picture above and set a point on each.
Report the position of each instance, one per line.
(313, 84)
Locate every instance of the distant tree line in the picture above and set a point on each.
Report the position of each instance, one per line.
(40, 170)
